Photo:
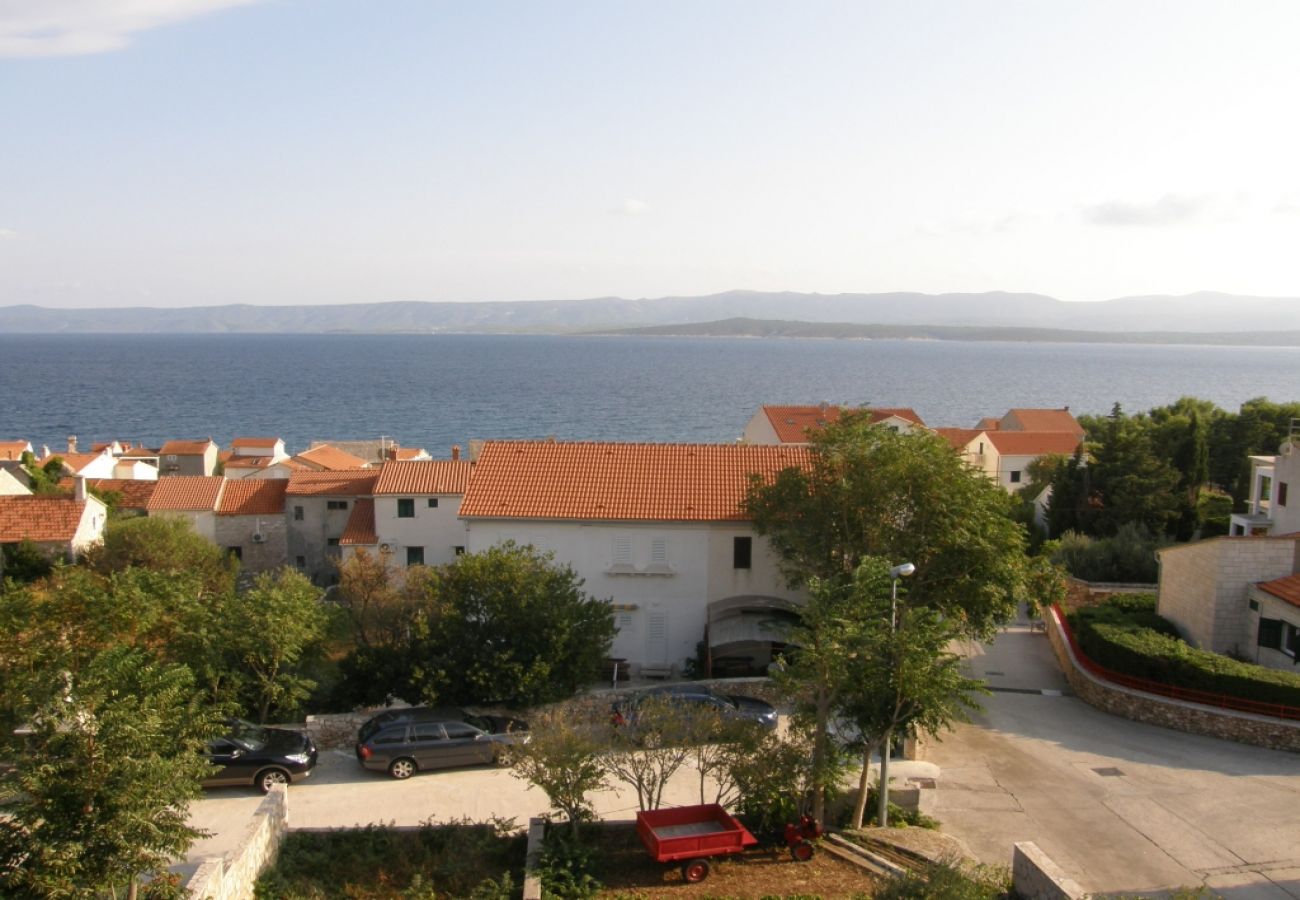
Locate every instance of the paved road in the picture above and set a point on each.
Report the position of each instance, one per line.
(1119, 805)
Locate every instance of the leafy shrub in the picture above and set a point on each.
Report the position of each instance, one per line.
(948, 881)
(1126, 556)
(565, 868)
(1126, 636)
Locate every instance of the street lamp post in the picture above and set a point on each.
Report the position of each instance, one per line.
(882, 805)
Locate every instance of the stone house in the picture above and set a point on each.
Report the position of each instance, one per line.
(188, 458)
(318, 507)
(658, 529)
(250, 524)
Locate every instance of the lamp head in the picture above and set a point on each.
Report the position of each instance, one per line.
(901, 571)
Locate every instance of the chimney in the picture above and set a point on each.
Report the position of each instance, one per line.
(72, 443)
(45, 451)
(78, 487)
(455, 451)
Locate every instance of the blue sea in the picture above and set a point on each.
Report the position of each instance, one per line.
(433, 391)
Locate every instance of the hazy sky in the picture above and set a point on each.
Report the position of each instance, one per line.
(182, 152)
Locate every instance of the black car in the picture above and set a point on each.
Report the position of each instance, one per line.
(402, 742)
(730, 707)
(263, 757)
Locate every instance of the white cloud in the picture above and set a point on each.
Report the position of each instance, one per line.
(631, 207)
(1171, 209)
(33, 28)
(7, 234)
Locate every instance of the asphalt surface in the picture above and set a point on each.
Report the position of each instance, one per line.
(1120, 806)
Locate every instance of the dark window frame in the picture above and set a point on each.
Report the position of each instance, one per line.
(406, 507)
(742, 552)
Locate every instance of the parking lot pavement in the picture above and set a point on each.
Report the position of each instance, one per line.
(340, 794)
(1119, 805)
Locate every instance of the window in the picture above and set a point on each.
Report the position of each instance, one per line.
(332, 542)
(415, 556)
(300, 562)
(1015, 476)
(1265, 488)
(297, 513)
(659, 551)
(460, 550)
(1290, 639)
(1281, 493)
(1270, 633)
(428, 731)
(622, 551)
(236, 552)
(742, 552)
(433, 503)
(336, 504)
(406, 508)
(460, 731)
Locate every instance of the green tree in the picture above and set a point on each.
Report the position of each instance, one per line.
(1134, 483)
(871, 491)
(509, 625)
(168, 546)
(25, 561)
(44, 477)
(564, 759)
(100, 797)
(269, 629)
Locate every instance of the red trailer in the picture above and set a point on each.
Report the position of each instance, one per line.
(691, 834)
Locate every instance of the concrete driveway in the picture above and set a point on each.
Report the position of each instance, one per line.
(1119, 805)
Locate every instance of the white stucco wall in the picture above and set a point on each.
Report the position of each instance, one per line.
(90, 530)
(11, 486)
(670, 597)
(134, 470)
(203, 522)
(1270, 607)
(759, 430)
(438, 530)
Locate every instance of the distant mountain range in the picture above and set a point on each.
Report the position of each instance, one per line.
(946, 316)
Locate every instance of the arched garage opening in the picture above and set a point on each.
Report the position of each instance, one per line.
(743, 635)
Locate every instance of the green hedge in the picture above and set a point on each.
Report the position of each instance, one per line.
(1126, 636)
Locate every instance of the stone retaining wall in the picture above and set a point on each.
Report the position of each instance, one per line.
(1092, 593)
(1180, 715)
(233, 876)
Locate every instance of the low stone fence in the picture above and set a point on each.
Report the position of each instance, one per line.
(1180, 715)
(1034, 876)
(232, 877)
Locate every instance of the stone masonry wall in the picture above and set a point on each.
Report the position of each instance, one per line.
(233, 876)
(1036, 877)
(1262, 731)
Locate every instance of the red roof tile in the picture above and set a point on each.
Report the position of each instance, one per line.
(185, 448)
(140, 453)
(345, 483)
(253, 497)
(13, 449)
(444, 476)
(260, 443)
(1033, 443)
(1287, 588)
(135, 494)
(958, 437)
(1041, 420)
(248, 462)
(619, 482)
(361, 524)
(330, 458)
(792, 423)
(186, 492)
(74, 462)
(41, 519)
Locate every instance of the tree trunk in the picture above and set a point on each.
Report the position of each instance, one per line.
(883, 805)
(820, 739)
(864, 786)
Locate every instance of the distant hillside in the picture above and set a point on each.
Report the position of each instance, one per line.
(741, 327)
(1204, 313)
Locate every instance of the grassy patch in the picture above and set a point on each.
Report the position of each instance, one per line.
(482, 861)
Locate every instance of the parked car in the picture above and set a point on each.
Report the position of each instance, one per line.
(259, 756)
(402, 742)
(730, 707)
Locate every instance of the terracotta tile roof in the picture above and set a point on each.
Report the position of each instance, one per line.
(1287, 588)
(13, 449)
(444, 476)
(185, 448)
(792, 423)
(345, 483)
(253, 497)
(988, 423)
(619, 482)
(248, 462)
(41, 519)
(1042, 420)
(259, 443)
(75, 462)
(140, 453)
(1033, 443)
(407, 453)
(958, 437)
(135, 494)
(330, 458)
(361, 524)
(186, 492)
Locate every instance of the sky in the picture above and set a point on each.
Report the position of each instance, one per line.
(195, 152)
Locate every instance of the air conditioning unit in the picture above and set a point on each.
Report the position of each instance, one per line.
(259, 538)
(384, 547)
